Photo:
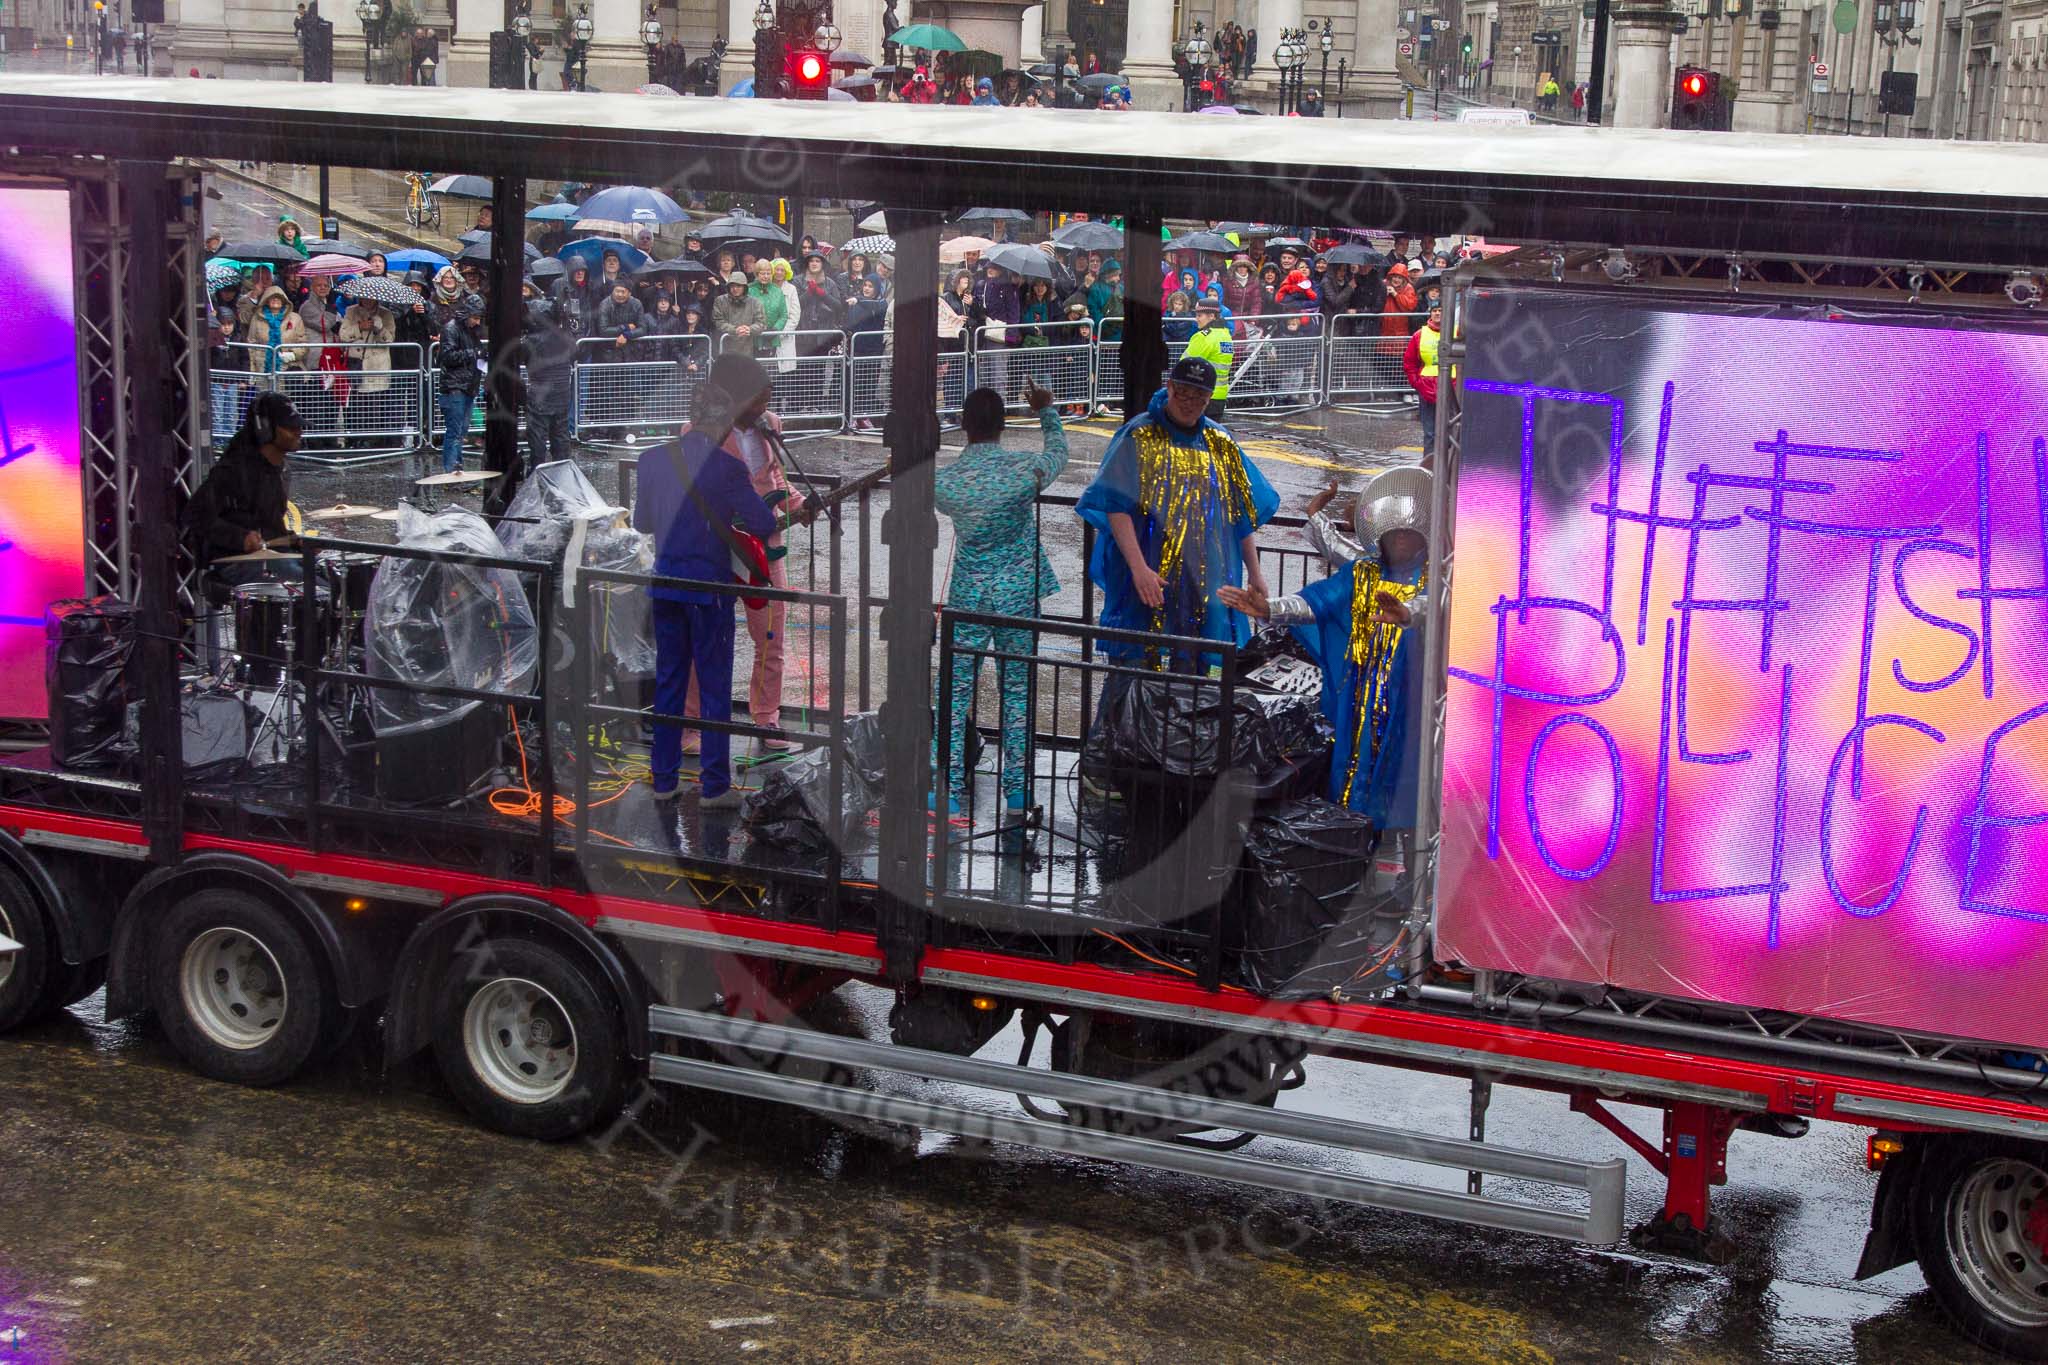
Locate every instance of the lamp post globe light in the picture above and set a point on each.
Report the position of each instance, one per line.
(650, 38)
(370, 19)
(1327, 41)
(1195, 53)
(764, 17)
(581, 31)
(827, 38)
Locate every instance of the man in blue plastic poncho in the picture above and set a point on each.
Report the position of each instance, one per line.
(1175, 507)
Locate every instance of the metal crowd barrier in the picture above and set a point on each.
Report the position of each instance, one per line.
(643, 388)
(1287, 362)
(353, 415)
(810, 386)
(431, 389)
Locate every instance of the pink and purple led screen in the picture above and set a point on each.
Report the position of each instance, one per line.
(42, 548)
(1748, 697)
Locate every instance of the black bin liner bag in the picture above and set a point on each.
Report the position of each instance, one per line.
(1311, 922)
(88, 644)
(1279, 743)
(793, 807)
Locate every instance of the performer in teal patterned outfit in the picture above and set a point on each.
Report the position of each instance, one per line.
(999, 569)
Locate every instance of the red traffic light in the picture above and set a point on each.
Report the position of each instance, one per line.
(810, 68)
(1695, 85)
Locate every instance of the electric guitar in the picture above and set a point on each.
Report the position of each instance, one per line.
(751, 555)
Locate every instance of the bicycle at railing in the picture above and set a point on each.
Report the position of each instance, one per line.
(421, 208)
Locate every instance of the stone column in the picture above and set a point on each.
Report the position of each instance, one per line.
(1642, 66)
(618, 59)
(1148, 56)
(1373, 88)
(739, 44)
(1032, 36)
(466, 56)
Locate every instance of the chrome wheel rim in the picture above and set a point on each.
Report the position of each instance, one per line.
(1998, 1227)
(519, 1041)
(232, 989)
(7, 959)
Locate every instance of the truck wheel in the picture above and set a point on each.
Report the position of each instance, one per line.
(25, 973)
(1980, 1228)
(529, 1042)
(240, 995)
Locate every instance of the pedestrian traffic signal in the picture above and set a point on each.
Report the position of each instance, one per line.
(1697, 100)
(1465, 45)
(810, 74)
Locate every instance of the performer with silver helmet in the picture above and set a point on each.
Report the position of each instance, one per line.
(1364, 626)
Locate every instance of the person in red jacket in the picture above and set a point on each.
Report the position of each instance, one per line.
(1419, 362)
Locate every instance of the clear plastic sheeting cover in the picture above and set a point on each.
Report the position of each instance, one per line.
(558, 515)
(1748, 699)
(441, 624)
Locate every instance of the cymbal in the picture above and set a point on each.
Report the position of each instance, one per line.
(341, 511)
(254, 556)
(459, 477)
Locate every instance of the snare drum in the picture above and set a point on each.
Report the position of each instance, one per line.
(348, 578)
(267, 630)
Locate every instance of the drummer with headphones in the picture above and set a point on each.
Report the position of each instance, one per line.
(241, 507)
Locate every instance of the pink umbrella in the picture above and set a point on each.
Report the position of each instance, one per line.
(332, 264)
(1219, 109)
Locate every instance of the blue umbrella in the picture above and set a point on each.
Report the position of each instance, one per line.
(632, 203)
(413, 257)
(591, 251)
(743, 91)
(554, 213)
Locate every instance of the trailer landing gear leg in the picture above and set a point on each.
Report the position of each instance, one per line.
(1693, 1159)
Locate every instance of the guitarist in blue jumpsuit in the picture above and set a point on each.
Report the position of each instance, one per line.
(692, 496)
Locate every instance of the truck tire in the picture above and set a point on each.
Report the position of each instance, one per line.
(239, 993)
(1980, 1231)
(25, 975)
(530, 1041)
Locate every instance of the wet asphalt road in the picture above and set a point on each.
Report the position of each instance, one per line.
(146, 1213)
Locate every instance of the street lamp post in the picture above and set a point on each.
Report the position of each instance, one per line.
(1195, 58)
(371, 14)
(581, 31)
(1343, 71)
(1515, 82)
(529, 55)
(1894, 25)
(767, 52)
(650, 38)
(1290, 54)
(1327, 42)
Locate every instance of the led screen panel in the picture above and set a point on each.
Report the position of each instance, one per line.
(42, 545)
(1748, 694)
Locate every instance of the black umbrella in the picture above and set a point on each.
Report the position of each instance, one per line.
(1247, 229)
(547, 268)
(1279, 244)
(1090, 236)
(1101, 81)
(260, 253)
(855, 83)
(1214, 242)
(1354, 253)
(321, 246)
(1045, 69)
(1027, 261)
(993, 216)
(887, 71)
(481, 251)
(849, 60)
(461, 187)
(681, 265)
(743, 227)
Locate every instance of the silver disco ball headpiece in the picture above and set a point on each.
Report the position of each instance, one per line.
(1397, 500)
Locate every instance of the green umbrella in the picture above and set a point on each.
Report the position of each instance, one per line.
(929, 37)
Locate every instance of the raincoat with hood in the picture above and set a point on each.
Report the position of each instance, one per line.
(279, 330)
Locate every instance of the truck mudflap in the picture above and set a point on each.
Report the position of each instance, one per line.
(750, 1058)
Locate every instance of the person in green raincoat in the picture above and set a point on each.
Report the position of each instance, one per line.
(773, 303)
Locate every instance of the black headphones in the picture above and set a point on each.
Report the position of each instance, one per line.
(267, 413)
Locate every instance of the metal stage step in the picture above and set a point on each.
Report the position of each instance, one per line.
(749, 1051)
